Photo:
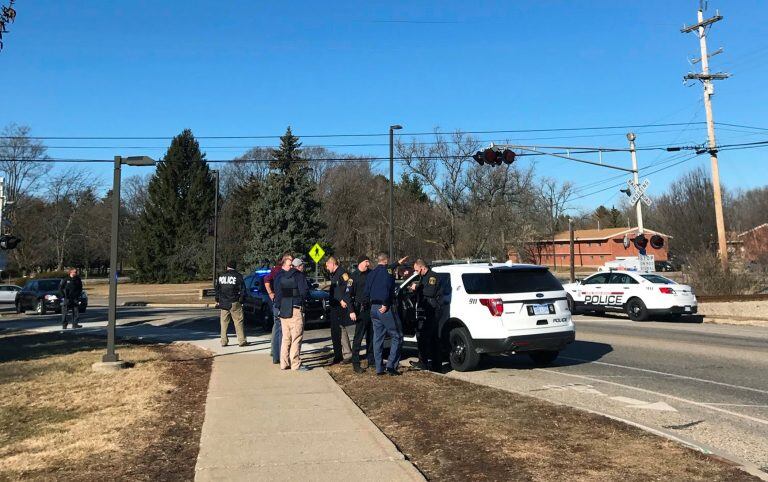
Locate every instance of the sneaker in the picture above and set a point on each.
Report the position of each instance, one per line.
(358, 369)
(418, 365)
(275, 362)
(303, 368)
(245, 343)
(224, 344)
(381, 373)
(77, 326)
(346, 362)
(393, 372)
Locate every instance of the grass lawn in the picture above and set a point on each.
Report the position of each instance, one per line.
(454, 430)
(61, 420)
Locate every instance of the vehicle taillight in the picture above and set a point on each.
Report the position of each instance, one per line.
(494, 305)
(666, 290)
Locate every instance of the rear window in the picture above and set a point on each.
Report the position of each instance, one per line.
(517, 281)
(659, 280)
(48, 285)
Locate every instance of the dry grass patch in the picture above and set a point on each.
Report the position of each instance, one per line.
(59, 419)
(454, 430)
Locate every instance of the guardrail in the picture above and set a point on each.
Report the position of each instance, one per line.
(724, 298)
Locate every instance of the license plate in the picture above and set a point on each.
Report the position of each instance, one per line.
(687, 308)
(540, 309)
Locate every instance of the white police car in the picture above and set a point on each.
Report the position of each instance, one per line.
(495, 309)
(640, 295)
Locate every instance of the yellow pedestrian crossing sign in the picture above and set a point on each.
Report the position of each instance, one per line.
(316, 253)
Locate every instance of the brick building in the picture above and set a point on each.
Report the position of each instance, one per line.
(594, 247)
(753, 244)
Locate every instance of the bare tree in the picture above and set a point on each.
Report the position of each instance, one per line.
(20, 162)
(553, 200)
(65, 195)
(442, 166)
(253, 165)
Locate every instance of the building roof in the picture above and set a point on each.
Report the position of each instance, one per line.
(600, 234)
(756, 228)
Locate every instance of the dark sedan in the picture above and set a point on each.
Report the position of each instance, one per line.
(42, 296)
(256, 303)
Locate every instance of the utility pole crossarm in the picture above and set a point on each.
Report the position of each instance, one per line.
(715, 76)
(703, 23)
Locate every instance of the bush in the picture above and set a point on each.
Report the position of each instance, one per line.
(706, 276)
(45, 274)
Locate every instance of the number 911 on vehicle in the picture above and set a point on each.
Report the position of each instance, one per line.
(640, 295)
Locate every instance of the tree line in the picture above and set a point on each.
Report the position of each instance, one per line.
(290, 197)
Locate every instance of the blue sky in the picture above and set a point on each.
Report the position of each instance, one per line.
(244, 68)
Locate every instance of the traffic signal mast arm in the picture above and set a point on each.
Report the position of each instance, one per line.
(495, 153)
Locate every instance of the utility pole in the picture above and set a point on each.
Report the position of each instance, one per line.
(571, 250)
(392, 130)
(2, 204)
(706, 79)
(215, 225)
(639, 206)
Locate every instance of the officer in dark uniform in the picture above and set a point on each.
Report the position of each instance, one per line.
(360, 312)
(229, 296)
(339, 303)
(380, 289)
(430, 298)
(70, 289)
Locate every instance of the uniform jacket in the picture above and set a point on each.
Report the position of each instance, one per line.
(380, 286)
(71, 287)
(229, 288)
(338, 291)
(356, 291)
(430, 288)
(291, 289)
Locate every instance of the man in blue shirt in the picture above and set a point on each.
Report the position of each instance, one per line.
(380, 290)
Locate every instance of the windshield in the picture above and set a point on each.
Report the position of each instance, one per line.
(48, 285)
(659, 280)
(517, 281)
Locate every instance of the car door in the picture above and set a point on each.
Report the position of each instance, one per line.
(7, 295)
(405, 304)
(621, 286)
(27, 295)
(594, 289)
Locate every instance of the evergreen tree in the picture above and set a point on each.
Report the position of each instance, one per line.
(287, 214)
(173, 228)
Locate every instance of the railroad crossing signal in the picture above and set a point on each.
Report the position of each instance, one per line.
(638, 192)
(316, 253)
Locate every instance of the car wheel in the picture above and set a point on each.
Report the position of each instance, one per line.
(462, 356)
(40, 307)
(636, 310)
(571, 304)
(543, 357)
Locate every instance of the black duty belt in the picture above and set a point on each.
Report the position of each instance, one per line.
(377, 302)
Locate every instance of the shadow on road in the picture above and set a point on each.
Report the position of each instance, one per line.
(665, 319)
(587, 351)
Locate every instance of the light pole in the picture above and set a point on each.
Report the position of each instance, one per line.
(631, 138)
(111, 359)
(215, 226)
(392, 130)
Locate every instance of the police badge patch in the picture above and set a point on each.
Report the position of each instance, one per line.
(432, 280)
(345, 277)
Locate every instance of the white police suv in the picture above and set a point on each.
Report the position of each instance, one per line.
(640, 295)
(494, 308)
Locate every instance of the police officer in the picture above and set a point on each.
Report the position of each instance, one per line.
(339, 303)
(70, 288)
(430, 297)
(380, 290)
(360, 312)
(229, 296)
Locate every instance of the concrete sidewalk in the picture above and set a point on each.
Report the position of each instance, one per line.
(263, 423)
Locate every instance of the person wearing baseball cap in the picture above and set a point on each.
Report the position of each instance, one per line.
(291, 291)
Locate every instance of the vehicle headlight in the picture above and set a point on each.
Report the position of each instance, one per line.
(51, 297)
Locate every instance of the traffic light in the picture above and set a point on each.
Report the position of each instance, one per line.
(9, 242)
(494, 157)
(640, 242)
(657, 242)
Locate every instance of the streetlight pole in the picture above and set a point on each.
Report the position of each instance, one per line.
(111, 359)
(215, 226)
(392, 130)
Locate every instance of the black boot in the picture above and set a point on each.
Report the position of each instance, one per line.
(357, 368)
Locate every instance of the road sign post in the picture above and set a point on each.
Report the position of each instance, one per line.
(316, 253)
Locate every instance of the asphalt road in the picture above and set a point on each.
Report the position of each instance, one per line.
(703, 383)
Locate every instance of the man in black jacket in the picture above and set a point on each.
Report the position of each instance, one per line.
(71, 287)
(291, 291)
(339, 304)
(360, 313)
(229, 296)
(430, 290)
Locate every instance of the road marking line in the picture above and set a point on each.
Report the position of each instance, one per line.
(635, 403)
(679, 399)
(630, 401)
(738, 405)
(765, 392)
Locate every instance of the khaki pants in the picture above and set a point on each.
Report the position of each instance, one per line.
(293, 333)
(234, 313)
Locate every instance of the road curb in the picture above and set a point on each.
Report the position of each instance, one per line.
(745, 466)
(144, 304)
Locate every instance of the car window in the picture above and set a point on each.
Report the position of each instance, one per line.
(48, 285)
(510, 281)
(5, 288)
(659, 280)
(30, 286)
(622, 279)
(596, 279)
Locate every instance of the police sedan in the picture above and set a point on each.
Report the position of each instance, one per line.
(640, 295)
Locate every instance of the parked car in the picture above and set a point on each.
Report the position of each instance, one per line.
(8, 293)
(256, 302)
(494, 309)
(664, 266)
(43, 296)
(640, 295)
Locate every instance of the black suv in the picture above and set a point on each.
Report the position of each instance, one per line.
(43, 295)
(256, 302)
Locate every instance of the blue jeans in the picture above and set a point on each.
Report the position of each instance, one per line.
(277, 334)
(386, 324)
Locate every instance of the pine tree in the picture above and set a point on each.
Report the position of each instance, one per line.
(287, 214)
(173, 228)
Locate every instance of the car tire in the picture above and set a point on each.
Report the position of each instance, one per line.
(636, 310)
(571, 304)
(40, 308)
(543, 357)
(462, 355)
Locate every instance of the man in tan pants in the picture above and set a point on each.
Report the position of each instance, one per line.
(229, 293)
(291, 290)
